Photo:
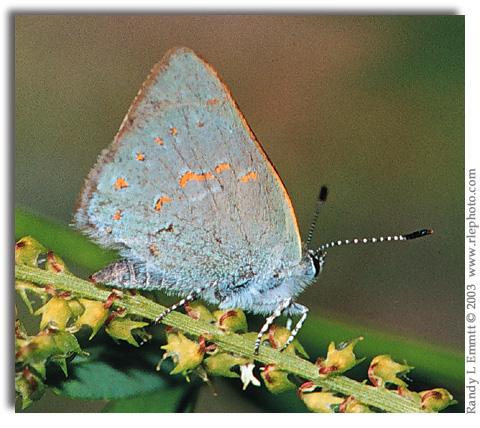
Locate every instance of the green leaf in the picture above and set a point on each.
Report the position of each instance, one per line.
(115, 371)
(165, 401)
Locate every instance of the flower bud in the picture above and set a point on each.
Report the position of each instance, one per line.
(322, 402)
(185, 353)
(29, 386)
(197, 311)
(94, 315)
(224, 364)
(55, 264)
(278, 336)
(122, 328)
(231, 320)
(27, 251)
(276, 380)
(437, 399)
(413, 396)
(351, 405)
(339, 359)
(55, 312)
(384, 370)
(49, 344)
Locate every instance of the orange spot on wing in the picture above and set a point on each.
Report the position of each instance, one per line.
(200, 124)
(250, 176)
(120, 184)
(159, 141)
(173, 131)
(212, 101)
(118, 215)
(160, 202)
(154, 250)
(140, 157)
(192, 176)
(223, 167)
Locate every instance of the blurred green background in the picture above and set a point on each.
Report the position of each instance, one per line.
(371, 106)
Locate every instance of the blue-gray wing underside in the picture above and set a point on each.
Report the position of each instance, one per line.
(185, 187)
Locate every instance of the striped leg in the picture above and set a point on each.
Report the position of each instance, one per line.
(192, 296)
(298, 326)
(269, 321)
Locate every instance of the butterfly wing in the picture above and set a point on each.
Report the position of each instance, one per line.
(185, 187)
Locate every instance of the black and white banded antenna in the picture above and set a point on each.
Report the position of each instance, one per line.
(322, 197)
(321, 250)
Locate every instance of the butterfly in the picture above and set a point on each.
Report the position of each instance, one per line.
(189, 198)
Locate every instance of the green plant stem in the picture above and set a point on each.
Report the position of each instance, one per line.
(382, 399)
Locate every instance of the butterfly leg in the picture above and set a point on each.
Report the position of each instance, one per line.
(269, 321)
(298, 326)
(192, 296)
(288, 325)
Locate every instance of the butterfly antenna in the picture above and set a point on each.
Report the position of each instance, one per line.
(322, 197)
(405, 237)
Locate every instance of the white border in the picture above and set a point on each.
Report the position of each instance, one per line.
(469, 8)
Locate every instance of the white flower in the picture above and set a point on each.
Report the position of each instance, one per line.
(246, 374)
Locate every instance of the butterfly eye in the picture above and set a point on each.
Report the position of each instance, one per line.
(316, 264)
(317, 259)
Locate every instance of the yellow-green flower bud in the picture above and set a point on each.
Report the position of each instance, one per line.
(185, 353)
(122, 328)
(322, 402)
(27, 251)
(56, 312)
(413, 396)
(197, 311)
(231, 320)
(223, 363)
(49, 343)
(339, 359)
(384, 370)
(276, 380)
(55, 264)
(93, 316)
(351, 405)
(435, 400)
(278, 336)
(29, 386)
